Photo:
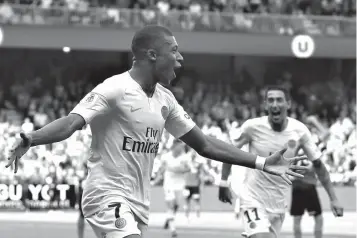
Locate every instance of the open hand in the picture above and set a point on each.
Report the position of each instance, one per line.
(277, 164)
(20, 147)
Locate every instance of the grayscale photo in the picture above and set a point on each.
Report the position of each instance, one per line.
(178, 119)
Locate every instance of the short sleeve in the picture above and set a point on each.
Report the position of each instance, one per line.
(308, 145)
(246, 128)
(99, 101)
(178, 122)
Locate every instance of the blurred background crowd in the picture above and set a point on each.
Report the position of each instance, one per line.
(46, 90)
(318, 17)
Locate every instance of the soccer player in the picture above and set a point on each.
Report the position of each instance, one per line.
(263, 196)
(127, 114)
(304, 192)
(174, 166)
(194, 182)
(305, 197)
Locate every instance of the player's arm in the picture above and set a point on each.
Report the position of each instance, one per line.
(57, 130)
(314, 154)
(218, 150)
(180, 125)
(226, 168)
(93, 104)
(224, 193)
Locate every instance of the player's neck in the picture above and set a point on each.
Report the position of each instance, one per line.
(279, 127)
(143, 76)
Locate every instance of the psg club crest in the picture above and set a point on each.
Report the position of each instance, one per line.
(164, 112)
(90, 99)
(120, 223)
(292, 144)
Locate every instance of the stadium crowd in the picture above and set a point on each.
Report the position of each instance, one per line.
(315, 7)
(327, 17)
(219, 108)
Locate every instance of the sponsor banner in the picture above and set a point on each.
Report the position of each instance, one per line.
(91, 38)
(37, 196)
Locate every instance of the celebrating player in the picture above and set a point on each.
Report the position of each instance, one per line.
(263, 196)
(127, 114)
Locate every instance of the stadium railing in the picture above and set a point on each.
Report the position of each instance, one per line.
(182, 20)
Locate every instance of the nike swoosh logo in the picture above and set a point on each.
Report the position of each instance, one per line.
(134, 110)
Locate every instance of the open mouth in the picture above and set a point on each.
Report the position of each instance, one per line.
(175, 70)
(276, 114)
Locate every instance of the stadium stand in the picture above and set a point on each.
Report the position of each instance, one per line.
(328, 17)
(29, 99)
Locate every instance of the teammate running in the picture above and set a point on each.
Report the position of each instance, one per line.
(127, 114)
(263, 196)
(173, 168)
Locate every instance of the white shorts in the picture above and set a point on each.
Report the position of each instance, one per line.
(173, 193)
(116, 221)
(257, 220)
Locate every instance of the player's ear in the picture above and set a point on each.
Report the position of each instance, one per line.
(289, 104)
(265, 103)
(151, 54)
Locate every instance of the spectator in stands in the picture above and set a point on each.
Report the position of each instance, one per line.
(27, 126)
(6, 13)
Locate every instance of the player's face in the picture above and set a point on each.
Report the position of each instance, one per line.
(168, 60)
(277, 106)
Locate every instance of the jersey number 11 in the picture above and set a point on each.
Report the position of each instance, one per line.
(255, 211)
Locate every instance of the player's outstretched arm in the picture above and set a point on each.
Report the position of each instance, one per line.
(324, 177)
(55, 131)
(314, 154)
(215, 149)
(224, 193)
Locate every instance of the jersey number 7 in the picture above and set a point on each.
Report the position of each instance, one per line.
(254, 213)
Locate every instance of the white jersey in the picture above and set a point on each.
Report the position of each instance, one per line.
(238, 172)
(267, 191)
(175, 170)
(126, 126)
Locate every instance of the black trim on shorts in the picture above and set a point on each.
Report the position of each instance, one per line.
(193, 190)
(305, 198)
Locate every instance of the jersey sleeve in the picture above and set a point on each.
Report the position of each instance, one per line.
(178, 122)
(308, 145)
(246, 129)
(99, 101)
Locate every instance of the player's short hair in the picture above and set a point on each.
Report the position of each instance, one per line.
(147, 38)
(278, 88)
